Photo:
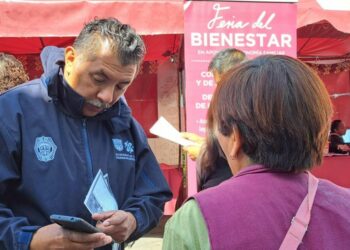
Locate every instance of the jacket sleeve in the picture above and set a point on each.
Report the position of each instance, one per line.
(151, 190)
(15, 232)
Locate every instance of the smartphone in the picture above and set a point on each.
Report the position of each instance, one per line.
(73, 223)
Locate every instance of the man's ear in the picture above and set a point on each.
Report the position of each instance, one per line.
(235, 144)
(69, 58)
(69, 54)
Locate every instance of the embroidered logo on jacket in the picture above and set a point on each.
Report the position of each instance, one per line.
(125, 150)
(129, 147)
(118, 144)
(45, 148)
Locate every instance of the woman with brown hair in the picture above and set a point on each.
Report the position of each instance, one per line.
(271, 116)
(12, 72)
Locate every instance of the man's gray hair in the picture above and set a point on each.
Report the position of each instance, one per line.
(122, 40)
(226, 59)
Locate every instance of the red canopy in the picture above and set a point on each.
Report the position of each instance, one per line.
(158, 47)
(322, 41)
(28, 26)
(38, 18)
(310, 11)
(322, 34)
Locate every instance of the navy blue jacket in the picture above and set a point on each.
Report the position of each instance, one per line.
(50, 153)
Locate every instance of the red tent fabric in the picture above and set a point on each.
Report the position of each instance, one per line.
(158, 46)
(322, 33)
(322, 41)
(28, 26)
(310, 11)
(40, 18)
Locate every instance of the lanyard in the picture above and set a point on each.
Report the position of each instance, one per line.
(301, 220)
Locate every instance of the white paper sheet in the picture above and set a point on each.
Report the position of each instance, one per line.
(100, 197)
(164, 129)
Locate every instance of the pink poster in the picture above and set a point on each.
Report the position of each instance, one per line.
(257, 28)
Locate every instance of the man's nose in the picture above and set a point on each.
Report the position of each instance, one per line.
(106, 95)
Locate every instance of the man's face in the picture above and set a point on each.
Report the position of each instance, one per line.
(101, 80)
(341, 129)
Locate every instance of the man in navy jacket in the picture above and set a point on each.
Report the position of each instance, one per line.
(57, 132)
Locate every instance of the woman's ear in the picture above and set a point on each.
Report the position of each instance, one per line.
(235, 144)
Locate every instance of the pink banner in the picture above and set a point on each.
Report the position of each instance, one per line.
(255, 28)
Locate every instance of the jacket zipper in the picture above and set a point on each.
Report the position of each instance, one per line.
(87, 152)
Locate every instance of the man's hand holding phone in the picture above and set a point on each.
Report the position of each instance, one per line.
(54, 236)
(118, 224)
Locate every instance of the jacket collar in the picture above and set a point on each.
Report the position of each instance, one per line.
(255, 168)
(258, 168)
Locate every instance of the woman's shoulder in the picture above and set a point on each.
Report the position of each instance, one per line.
(186, 229)
(189, 211)
(330, 192)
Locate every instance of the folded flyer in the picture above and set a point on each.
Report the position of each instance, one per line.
(164, 129)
